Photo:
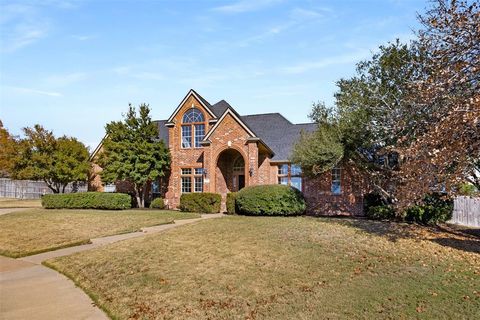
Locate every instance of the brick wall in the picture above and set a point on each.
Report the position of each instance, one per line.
(321, 201)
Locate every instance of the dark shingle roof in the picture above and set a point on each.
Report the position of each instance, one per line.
(219, 108)
(277, 132)
(274, 129)
(162, 130)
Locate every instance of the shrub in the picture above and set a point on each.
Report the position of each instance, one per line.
(381, 212)
(270, 200)
(87, 200)
(200, 202)
(157, 203)
(231, 203)
(434, 209)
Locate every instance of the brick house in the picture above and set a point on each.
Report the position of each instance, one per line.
(214, 149)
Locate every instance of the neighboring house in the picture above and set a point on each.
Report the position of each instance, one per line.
(214, 149)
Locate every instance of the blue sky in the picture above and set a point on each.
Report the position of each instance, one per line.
(73, 66)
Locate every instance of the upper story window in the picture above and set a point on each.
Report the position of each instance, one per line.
(290, 174)
(193, 128)
(336, 186)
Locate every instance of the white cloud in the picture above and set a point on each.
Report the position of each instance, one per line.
(296, 18)
(21, 90)
(306, 66)
(245, 6)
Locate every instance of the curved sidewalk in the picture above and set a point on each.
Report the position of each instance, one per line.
(29, 290)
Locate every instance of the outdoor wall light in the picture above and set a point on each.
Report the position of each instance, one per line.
(205, 172)
(250, 171)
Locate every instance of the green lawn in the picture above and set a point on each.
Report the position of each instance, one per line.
(284, 268)
(20, 203)
(38, 230)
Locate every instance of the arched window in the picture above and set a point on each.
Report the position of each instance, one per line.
(193, 128)
(239, 165)
(192, 116)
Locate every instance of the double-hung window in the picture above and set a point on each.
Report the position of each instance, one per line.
(193, 128)
(192, 180)
(336, 186)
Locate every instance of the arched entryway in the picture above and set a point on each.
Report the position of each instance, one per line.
(230, 172)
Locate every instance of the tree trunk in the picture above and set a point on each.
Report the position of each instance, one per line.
(63, 188)
(139, 196)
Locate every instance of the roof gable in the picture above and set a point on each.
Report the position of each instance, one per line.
(236, 117)
(202, 101)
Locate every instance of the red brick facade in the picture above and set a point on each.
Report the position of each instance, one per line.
(228, 139)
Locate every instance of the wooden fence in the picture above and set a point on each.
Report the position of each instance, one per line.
(466, 211)
(28, 189)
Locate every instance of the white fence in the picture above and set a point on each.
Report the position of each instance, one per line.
(466, 211)
(28, 189)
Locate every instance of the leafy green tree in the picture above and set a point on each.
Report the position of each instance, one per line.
(322, 149)
(57, 162)
(7, 151)
(132, 152)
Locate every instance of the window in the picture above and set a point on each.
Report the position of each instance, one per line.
(239, 165)
(193, 128)
(109, 188)
(186, 136)
(199, 134)
(336, 187)
(192, 116)
(283, 169)
(290, 175)
(192, 179)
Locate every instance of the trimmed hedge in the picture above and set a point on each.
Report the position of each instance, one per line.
(157, 203)
(270, 200)
(231, 203)
(87, 200)
(200, 202)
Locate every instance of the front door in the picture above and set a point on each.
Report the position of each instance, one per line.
(238, 182)
(241, 181)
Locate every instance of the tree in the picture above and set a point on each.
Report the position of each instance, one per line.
(363, 127)
(410, 117)
(322, 149)
(450, 88)
(131, 151)
(7, 151)
(57, 162)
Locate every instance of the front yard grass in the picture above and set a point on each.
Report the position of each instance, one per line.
(283, 268)
(38, 230)
(20, 203)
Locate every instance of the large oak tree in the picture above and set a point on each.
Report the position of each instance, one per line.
(56, 161)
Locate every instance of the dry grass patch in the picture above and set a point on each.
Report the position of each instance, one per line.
(39, 230)
(279, 268)
(20, 203)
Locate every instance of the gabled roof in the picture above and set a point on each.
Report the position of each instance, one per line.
(272, 130)
(277, 132)
(236, 116)
(220, 107)
(202, 101)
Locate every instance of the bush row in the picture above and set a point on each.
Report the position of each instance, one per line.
(87, 200)
(433, 209)
(200, 202)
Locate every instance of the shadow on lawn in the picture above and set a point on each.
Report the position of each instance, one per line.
(464, 239)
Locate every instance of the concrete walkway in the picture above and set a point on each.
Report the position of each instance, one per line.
(28, 290)
(8, 210)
